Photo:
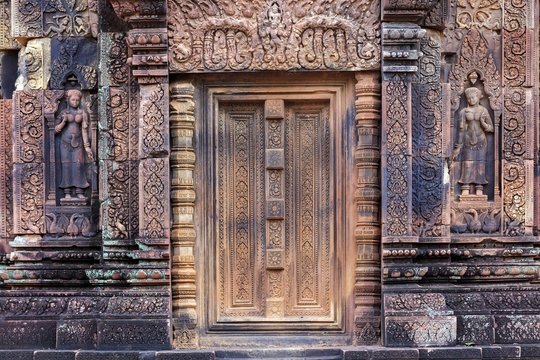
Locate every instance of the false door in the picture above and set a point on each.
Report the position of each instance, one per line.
(275, 236)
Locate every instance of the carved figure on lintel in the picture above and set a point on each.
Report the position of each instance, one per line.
(472, 145)
(75, 149)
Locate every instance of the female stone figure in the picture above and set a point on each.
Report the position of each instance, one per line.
(74, 145)
(474, 123)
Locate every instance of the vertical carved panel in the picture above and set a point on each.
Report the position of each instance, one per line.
(428, 154)
(153, 133)
(29, 198)
(119, 134)
(367, 230)
(308, 243)
(184, 289)
(517, 123)
(120, 200)
(28, 127)
(114, 54)
(396, 178)
(6, 169)
(154, 200)
(6, 41)
(240, 166)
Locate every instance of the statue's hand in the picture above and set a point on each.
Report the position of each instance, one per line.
(456, 152)
(89, 153)
(58, 128)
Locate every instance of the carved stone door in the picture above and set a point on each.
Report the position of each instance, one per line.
(277, 244)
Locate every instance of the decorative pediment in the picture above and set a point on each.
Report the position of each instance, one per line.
(214, 35)
(476, 63)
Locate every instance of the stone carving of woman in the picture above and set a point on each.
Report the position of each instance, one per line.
(74, 129)
(474, 123)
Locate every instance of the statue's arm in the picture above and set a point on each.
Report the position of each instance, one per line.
(86, 136)
(58, 128)
(486, 121)
(461, 134)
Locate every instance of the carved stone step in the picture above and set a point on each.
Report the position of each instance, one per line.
(280, 354)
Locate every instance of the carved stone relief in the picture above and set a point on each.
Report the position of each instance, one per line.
(480, 14)
(272, 167)
(74, 61)
(65, 18)
(6, 41)
(34, 65)
(273, 35)
(47, 18)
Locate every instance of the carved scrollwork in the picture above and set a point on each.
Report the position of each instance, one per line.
(213, 36)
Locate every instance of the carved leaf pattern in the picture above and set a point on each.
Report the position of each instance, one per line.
(152, 138)
(154, 198)
(397, 167)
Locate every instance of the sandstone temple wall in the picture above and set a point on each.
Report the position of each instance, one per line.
(191, 174)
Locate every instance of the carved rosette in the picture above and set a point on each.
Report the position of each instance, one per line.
(273, 35)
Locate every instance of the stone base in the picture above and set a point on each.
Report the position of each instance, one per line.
(527, 352)
(73, 201)
(473, 198)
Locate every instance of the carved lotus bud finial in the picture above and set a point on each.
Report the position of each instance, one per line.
(473, 76)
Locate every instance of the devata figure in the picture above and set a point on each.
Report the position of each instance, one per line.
(74, 128)
(474, 123)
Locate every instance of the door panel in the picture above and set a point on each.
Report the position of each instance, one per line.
(274, 238)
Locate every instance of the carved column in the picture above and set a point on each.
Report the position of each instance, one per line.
(368, 230)
(184, 289)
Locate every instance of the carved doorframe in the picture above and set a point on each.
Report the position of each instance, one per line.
(339, 87)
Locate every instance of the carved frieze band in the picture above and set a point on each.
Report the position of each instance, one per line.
(367, 230)
(184, 275)
(273, 35)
